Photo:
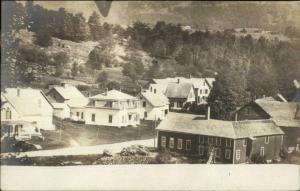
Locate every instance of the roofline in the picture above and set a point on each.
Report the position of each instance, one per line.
(11, 103)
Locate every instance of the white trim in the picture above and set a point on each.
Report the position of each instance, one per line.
(201, 150)
(267, 138)
(163, 142)
(233, 157)
(238, 154)
(262, 151)
(227, 153)
(228, 141)
(186, 145)
(179, 141)
(245, 142)
(171, 140)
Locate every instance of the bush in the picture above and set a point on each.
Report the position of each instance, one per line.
(163, 157)
(256, 158)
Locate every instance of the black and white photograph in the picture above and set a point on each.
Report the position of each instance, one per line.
(150, 95)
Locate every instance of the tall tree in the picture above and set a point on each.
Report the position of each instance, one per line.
(95, 26)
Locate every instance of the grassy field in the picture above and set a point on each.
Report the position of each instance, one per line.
(74, 134)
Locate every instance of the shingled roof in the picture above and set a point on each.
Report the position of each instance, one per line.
(68, 92)
(282, 113)
(155, 99)
(193, 124)
(113, 95)
(178, 90)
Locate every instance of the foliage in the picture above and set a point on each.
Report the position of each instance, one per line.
(164, 157)
(130, 71)
(43, 38)
(95, 26)
(74, 69)
(258, 159)
(113, 85)
(102, 78)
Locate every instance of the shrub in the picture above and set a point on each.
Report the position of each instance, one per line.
(163, 157)
(256, 158)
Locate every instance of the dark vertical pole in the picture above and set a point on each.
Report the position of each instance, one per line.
(154, 131)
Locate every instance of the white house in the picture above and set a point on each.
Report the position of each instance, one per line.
(25, 109)
(68, 102)
(154, 106)
(202, 86)
(113, 108)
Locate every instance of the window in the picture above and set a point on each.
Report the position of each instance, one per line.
(245, 142)
(201, 150)
(218, 141)
(144, 104)
(81, 115)
(150, 89)
(145, 114)
(77, 113)
(262, 151)
(155, 91)
(238, 154)
(227, 153)
(163, 141)
(210, 140)
(129, 117)
(110, 118)
(93, 117)
(8, 114)
(171, 143)
(200, 91)
(180, 104)
(188, 145)
(206, 91)
(201, 139)
(282, 139)
(218, 152)
(228, 142)
(267, 140)
(179, 144)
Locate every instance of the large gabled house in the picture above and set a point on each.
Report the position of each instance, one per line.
(179, 94)
(68, 102)
(113, 108)
(24, 111)
(223, 141)
(284, 114)
(202, 86)
(154, 106)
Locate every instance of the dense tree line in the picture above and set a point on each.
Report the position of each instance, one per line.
(247, 68)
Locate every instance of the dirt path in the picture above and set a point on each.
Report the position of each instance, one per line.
(86, 150)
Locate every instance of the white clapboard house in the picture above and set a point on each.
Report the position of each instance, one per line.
(201, 86)
(113, 108)
(24, 111)
(68, 102)
(154, 106)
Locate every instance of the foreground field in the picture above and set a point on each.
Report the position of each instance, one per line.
(154, 177)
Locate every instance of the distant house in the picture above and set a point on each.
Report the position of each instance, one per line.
(23, 110)
(179, 94)
(68, 102)
(113, 108)
(284, 114)
(202, 86)
(154, 106)
(223, 141)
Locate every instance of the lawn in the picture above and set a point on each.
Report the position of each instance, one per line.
(74, 134)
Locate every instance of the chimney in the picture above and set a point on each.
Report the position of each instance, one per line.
(236, 116)
(106, 91)
(208, 113)
(190, 76)
(178, 80)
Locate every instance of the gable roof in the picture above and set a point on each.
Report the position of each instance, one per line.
(68, 92)
(178, 90)
(197, 82)
(155, 99)
(113, 95)
(189, 123)
(27, 103)
(283, 113)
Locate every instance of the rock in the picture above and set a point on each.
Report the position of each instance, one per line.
(106, 153)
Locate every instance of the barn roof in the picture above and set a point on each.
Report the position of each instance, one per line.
(193, 124)
(68, 92)
(155, 99)
(178, 90)
(113, 95)
(27, 102)
(283, 113)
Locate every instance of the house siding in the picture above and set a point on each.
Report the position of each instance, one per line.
(195, 143)
(159, 112)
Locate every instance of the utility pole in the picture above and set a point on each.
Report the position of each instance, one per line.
(154, 130)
